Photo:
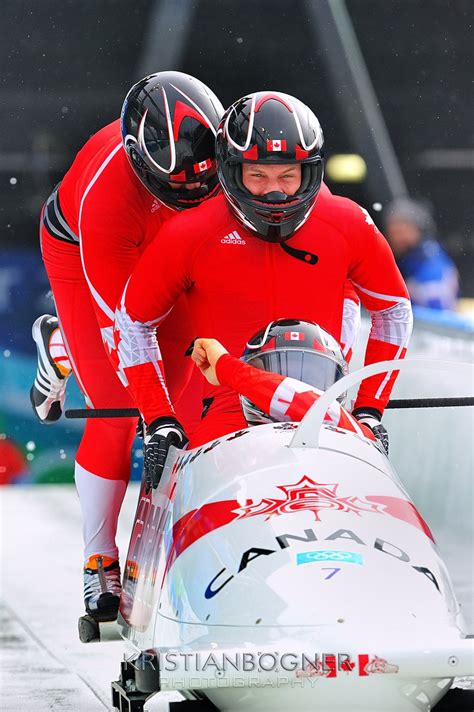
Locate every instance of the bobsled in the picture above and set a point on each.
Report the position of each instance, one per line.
(285, 567)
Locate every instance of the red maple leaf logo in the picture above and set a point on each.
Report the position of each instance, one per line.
(307, 494)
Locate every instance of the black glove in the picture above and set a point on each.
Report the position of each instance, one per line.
(371, 417)
(161, 434)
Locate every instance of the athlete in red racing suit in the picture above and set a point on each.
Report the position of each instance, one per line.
(275, 397)
(256, 254)
(94, 228)
(233, 288)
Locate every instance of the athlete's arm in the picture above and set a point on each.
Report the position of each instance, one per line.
(350, 321)
(383, 293)
(284, 399)
(161, 275)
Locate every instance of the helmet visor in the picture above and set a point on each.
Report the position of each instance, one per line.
(317, 370)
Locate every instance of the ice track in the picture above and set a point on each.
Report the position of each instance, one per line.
(43, 666)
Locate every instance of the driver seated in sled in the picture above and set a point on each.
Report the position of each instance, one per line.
(283, 371)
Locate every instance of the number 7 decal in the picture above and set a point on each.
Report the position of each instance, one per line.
(334, 572)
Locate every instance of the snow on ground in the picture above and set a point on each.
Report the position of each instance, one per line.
(43, 665)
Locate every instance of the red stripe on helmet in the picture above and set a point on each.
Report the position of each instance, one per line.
(183, 111)
(300, 153)
(318, 346)
(251, 154)
(270, 345)
(267, 96)
(180, 177)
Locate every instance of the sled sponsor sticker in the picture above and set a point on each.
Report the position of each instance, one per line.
(329, 665)
(248, 662)
(347, 557)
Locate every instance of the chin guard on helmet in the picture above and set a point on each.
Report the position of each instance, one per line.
(270, 128)
(295, 349)
(169, 122)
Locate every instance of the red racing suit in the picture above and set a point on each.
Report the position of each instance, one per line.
(236, 283)
(284, 399)
(94, 228)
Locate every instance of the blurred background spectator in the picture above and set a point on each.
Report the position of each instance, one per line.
(430, 274)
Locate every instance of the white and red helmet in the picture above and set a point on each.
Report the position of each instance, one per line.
(295, 349)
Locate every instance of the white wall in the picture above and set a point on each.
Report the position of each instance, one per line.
(432, 449)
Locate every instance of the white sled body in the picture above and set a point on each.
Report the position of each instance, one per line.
(271, 577)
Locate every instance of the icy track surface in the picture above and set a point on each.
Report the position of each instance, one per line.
(43, 666)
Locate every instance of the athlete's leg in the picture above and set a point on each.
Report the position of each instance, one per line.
(102, 467)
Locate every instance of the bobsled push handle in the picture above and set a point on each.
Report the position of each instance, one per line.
(307, 433)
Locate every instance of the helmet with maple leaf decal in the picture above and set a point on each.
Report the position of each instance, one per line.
(270, 128)
(169, 122)
(296, 349)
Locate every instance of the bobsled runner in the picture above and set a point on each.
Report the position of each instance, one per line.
(285, 567)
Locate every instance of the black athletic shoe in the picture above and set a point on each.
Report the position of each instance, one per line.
(102, 587)
(48, 392)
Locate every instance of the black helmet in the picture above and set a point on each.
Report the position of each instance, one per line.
(295, 349)
(169, 122)
(270, 128)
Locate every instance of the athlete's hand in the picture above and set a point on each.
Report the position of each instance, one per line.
(371, 417)
(161, 434)
(206, 353)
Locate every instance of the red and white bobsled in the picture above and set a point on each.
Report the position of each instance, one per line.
(285, 567)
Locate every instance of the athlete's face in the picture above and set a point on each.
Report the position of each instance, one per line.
(260, 179)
